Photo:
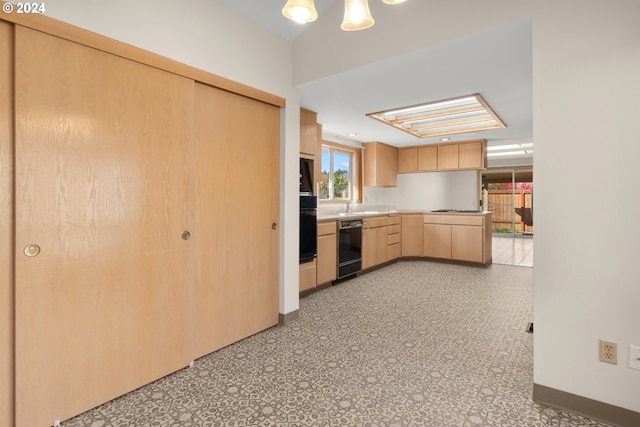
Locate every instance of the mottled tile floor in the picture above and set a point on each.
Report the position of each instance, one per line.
(412, 344)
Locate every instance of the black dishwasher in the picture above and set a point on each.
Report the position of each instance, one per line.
(349, 247)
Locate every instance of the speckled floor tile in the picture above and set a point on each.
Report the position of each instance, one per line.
(412, 344)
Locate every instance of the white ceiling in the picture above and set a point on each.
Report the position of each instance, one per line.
(496, 63)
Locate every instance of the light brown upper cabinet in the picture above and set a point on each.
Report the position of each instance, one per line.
(308, 133)
(427, 159)
(380, 165)
(471, 155)
(443, 157)
(447, 156)
(407, 160)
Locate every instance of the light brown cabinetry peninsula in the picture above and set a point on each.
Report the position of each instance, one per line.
(458, 237)
(327, 252)
(135, 249)
(380, 165)
(465, 155)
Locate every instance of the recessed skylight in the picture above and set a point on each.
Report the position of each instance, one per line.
(447, 117)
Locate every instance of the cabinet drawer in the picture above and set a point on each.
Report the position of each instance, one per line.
(325, 228)
(307, 276)
(392, 239)
(394, 219)
(376, 221)
(394, 229)
(454, 219)
(394, 251)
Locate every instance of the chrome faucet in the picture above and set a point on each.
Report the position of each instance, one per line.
(349, 207)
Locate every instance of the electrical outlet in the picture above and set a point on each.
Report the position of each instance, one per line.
(608, 352)
(634, 357)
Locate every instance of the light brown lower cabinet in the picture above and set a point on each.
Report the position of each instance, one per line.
(437, 241)
(308, 275)
(458, 237)
(380, 240)
(327, 261)
(466, 243)
(412, 235)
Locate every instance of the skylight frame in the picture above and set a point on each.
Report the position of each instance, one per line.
(463, 114)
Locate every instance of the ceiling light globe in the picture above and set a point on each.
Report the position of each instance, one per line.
(300, 11)
(356, 15)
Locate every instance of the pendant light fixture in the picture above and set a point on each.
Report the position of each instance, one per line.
(300, 11)
(356, 15)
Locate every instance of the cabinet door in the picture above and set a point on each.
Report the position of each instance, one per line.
(427, 158)
(236, 291)
(412, 230)
(104, 188)
(466, 243)
(369, 244)
(407, 160)
(327, 258)
(388, 170)
(307, 276)
(470, 155)
(308, 132)
(448, 156)
(380, 165)
(437, 240)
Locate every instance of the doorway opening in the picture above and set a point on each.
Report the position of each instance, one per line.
(511, 201)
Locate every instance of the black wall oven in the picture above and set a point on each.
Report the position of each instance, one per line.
(308, 205)
(349, 247)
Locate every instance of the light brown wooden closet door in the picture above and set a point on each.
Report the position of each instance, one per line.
(103, 188)
(237, 146)
(6, 224)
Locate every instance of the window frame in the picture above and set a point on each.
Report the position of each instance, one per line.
(355, 183)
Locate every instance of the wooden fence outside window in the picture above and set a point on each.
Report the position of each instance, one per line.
(500, 204)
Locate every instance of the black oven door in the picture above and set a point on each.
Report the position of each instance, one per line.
(307, 235)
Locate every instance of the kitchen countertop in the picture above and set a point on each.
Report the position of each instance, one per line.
(364, 214)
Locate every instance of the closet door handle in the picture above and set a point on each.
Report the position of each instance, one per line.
(31, 250)
(274, 226)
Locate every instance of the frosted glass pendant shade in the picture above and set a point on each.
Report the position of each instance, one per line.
(300, 11)
(356, 15)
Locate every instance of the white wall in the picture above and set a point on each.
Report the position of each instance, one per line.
(586, 64)
(211, 37)
(428, 191)
(587, 144)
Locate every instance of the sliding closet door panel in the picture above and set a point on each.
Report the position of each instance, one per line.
(103, 180)
(237, 146)
(6, 224)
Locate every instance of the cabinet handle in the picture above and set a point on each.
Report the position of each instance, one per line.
(274, 225)
(186, 235)
(31, 250)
